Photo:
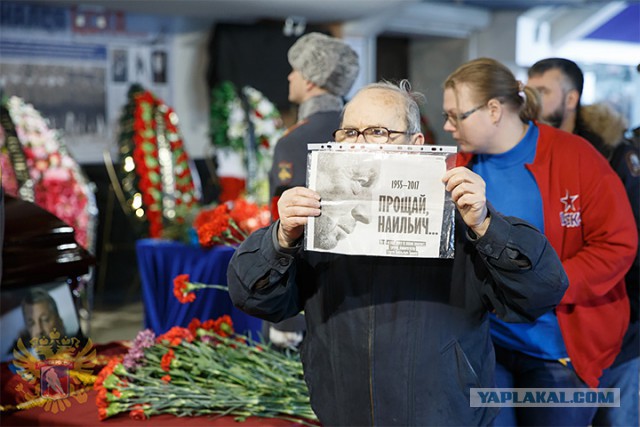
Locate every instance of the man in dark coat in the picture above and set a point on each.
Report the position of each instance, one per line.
(398, 341)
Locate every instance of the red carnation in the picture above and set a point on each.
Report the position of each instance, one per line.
(175, 335)
(181, 289)
(165, 363)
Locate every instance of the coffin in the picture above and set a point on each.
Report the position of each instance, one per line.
(38, 247)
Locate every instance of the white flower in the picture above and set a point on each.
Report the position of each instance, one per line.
(237, 123)
(264, 128)
(265, 108)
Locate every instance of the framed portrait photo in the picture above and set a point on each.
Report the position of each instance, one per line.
(36, 311)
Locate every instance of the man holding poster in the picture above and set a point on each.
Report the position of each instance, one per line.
(397, 341)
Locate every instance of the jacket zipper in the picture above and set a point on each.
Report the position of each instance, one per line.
(370, 338)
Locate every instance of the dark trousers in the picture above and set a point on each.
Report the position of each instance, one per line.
(519, 370)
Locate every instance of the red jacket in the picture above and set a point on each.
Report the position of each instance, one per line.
(589, 222)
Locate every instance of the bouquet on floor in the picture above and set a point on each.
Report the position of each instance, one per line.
(205, 369)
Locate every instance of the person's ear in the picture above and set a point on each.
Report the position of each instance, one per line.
(417, 139)
(571, 100)
(309, 85)
(495, 110)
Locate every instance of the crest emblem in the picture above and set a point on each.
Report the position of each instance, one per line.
(633, 162)
(285, 172)
(55, 369)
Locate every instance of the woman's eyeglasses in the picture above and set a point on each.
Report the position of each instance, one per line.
(454, 120)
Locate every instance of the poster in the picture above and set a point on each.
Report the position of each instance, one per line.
(381, 200)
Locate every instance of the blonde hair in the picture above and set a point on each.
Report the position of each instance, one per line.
(489, 79)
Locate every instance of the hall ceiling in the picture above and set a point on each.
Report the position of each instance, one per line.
(311, 10)
(414, 18)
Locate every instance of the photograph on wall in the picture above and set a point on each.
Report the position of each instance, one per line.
(159, 66)
(380, 200)
(36, 311)
(71, 96)
(120, 65)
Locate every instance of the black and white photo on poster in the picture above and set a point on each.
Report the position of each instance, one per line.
(380, 201)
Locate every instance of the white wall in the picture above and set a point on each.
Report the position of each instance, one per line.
(498, 41)
(190, 92)
(432, 60)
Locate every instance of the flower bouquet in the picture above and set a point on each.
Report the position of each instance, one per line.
(225, 224)
(230, 223)
(204, 369)
(37, 166)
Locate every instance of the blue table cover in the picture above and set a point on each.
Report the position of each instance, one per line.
(160, 261)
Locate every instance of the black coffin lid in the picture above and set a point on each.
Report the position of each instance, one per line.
(38, 247)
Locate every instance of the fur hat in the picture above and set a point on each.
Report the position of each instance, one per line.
(326, 61)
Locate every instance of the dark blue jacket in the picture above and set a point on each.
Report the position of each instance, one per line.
(289, 167)
(400, 341)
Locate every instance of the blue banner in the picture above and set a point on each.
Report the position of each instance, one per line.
(27, 49)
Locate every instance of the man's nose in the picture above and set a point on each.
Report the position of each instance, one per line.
(38, 331)
(358, 140)
(359, 213)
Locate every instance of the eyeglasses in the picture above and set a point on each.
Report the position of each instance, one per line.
(372, 135)
(454, 120)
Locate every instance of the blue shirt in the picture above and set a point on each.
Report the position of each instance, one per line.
(513, 191)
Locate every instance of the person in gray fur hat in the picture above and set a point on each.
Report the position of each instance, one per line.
(325, 61)
(323, 71)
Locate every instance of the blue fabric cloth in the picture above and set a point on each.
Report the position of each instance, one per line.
(513, 190)
(518, 370)
(159, 261)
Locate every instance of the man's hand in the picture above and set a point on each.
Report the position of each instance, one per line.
(468, 193)
(294, 207)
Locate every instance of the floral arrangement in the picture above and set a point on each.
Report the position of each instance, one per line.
(37, 166)
(230, 223)
(230, 120)
(205, 369)
(237, 118)
(226, 224)
(154, 171)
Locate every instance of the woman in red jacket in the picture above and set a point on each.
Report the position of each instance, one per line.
(558, 182)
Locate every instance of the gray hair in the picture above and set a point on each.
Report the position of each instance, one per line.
(411, 100)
